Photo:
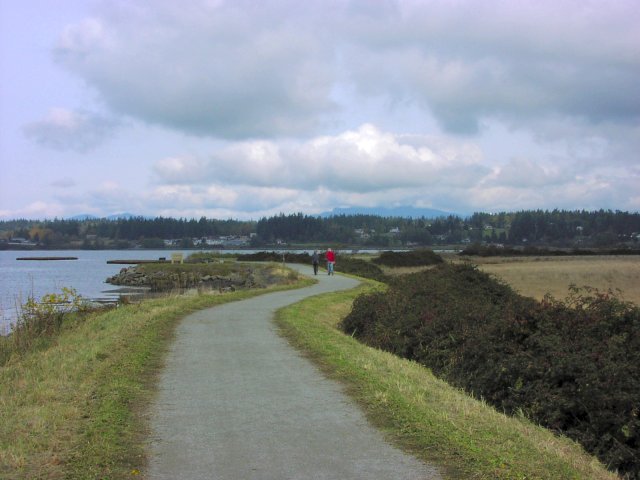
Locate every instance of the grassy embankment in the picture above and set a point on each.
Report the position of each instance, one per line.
(75, 409)
(426, 416)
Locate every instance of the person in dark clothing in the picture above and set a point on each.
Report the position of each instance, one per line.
(315, 259)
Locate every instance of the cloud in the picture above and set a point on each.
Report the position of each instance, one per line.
(513, 61)
(111, 197)
(525, 173)
(243, 201)
(362, 160)
(607, 143)
(251, 108)
(38, 210)
(368, 167)
(65, 130)
(181, 169)
(243, 69)
(228, 69)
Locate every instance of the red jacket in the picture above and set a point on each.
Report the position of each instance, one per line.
(331, 256)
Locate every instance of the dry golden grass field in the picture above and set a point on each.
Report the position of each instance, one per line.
(537, 276)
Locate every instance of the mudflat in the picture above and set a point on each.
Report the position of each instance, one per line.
(236, 401)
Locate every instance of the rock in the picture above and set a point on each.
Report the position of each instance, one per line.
(162, 281)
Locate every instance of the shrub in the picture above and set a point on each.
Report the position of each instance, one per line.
(572, 365)
(208, 257)
(479, 250)
(413, 258)
(275, 257)
(40, 320)
(359, 267)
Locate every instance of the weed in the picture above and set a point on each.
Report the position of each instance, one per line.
(39, 320)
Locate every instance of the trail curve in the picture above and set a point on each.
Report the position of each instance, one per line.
(237, 402)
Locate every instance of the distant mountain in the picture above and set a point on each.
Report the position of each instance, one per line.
(405, 212)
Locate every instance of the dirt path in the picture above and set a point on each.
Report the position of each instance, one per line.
(237, 402)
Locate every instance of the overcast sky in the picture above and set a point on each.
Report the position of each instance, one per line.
(241, 109)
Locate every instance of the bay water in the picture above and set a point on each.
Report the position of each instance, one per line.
(20, 279)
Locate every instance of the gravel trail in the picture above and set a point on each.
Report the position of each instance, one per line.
(237, 402)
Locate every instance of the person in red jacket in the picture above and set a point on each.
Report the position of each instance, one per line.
(331, 260)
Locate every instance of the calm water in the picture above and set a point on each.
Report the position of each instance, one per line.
(20, 279)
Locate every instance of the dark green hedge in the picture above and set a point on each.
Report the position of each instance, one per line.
(412, 258)
(572, 365)
(361, 268)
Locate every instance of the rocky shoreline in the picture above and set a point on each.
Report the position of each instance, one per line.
(162, 281)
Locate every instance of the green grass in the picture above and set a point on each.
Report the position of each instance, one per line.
(75, 410)
(441, 425)
(225, 268)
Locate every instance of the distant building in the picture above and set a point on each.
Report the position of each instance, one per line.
(23, 242)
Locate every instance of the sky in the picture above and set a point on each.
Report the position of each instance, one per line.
(244, 109)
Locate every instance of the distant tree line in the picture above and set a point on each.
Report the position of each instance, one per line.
(561, 228)
(122, 232)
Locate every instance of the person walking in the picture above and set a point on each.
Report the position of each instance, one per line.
(331, 261)
(315, 260)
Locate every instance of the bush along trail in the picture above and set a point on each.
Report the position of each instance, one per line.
(571, 365)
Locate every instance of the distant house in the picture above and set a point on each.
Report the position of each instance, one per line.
(23, 242)
(361, 232)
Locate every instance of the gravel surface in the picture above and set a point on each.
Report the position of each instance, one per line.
(237, 402)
